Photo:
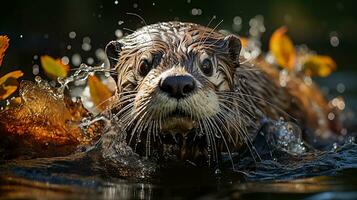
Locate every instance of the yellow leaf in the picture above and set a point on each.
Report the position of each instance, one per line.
(9, 84)
(13, 102)
(54, 68)
(282, 49)
(317, 65)
(100, 94)
(244, 41)
(4, 44)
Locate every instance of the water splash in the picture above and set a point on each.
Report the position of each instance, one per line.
(285, 136)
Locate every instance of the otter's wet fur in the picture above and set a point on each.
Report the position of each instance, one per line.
(183, 91)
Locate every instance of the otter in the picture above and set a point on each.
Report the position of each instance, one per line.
(183, 93)
(183, 90)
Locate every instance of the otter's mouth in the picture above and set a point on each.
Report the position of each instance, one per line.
(177, 122)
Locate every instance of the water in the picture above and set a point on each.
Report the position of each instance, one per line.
(281, 165)
(83, 176)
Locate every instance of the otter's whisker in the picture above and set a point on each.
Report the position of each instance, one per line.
(210, 33)
(235, 95)
(224, 139)
(127, 29)
(244, 134)
(210, 136)
(219, 116)
(226, 107)
(139, 123)
(202, 128)
(148, 138)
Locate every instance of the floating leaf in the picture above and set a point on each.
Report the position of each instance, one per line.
(99, 93)
(9, 84)
(13, 102)
(317, 65)
(4, 44)
(54, 68)
(244, 41)
(282, 49)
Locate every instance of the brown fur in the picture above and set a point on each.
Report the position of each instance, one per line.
(235, 98)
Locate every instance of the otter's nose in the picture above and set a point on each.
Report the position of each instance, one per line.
(177, 86)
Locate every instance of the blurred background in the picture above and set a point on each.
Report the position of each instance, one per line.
(78, 30)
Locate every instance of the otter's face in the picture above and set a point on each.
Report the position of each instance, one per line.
(168, 79)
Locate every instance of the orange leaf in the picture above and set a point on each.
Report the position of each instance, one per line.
(99, 93)
(244, 41)
(4, 44)
(282, 49)
(9, 84)
(317, 65)
(13, 102)
(54, 68)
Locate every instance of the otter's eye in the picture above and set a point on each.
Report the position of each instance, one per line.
(207, 67)
(144, 67)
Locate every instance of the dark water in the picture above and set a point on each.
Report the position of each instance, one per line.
(321, 175)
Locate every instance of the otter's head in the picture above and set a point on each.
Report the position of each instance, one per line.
(170, 76)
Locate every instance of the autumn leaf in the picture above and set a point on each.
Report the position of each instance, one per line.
(13, 102)
(282, 49)
(9, 84)
(54, 68)
(99, 93)
(317, 65)
(4, 44)
(244, 41)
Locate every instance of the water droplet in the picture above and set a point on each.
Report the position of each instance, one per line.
(118, 33)
(335, 146)
(38, 79)
(344, 131)
(338, 102)
(90, 61)
(116, 2)
(72, 34)
(65, 60)
(35, 69)
(86, 40)
(196, 11)
(100, 54)
(76, 59)
(331, 116)
(334, 41)
(237, 20)
(86, 47)
(340, 88)
(107, 74)
(217, 172)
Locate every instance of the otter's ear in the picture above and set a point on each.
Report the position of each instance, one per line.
(234, 47)
(112, 50)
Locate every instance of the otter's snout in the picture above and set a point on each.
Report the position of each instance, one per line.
(177, 86)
